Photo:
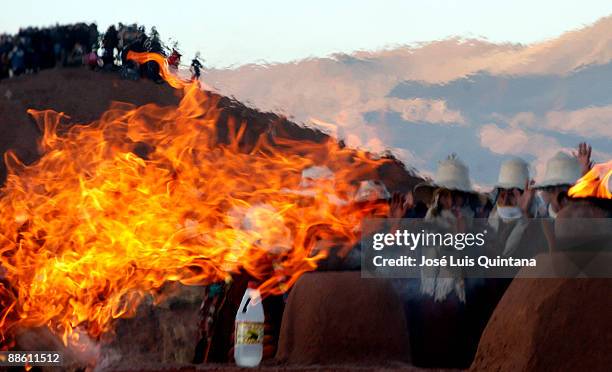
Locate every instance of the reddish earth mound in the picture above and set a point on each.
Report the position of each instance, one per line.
(81, 94)
(84, 95)
(549, 325)
(337, 317)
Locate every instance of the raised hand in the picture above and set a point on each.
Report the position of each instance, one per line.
(400, 204)
(583, 155)
(525, 199)
(409, 203)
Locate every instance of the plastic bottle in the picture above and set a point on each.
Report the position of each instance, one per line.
(248, 347)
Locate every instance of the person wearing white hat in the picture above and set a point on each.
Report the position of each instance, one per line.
(452, 175)
(443, 291)
(513, 205)
(372, 192)
(513, 190)
(373, 198)
(562, 171)
(449, 211)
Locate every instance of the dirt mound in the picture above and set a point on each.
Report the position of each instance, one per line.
(81, 94)
(84, 95)
(337, 317)
(549, 324)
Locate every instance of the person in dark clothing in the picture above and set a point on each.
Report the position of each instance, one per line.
(33, 49)
(31, 60)
(17, 58)
(196, 65)
(110, 42)
(153, 44)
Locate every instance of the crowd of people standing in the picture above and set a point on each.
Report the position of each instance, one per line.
(447, 309)
(33, 49)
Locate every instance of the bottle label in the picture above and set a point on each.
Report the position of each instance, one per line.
(249, 332)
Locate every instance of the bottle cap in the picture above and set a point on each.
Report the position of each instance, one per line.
(253, 284)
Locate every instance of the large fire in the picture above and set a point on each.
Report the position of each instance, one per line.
(597, 183)
(91, 229)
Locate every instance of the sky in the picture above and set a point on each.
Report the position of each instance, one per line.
(232, 33)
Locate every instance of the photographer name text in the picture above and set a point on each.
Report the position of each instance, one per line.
(452, 261)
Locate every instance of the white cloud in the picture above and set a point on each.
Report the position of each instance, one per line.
(518, 142)
(420, 110)
(519, 120)
(590, 122)
(515, 141)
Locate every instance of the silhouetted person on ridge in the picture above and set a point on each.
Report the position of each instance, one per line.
(153, 44)
(196, 65)
(110, 43)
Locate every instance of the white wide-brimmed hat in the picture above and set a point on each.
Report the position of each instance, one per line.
(514, 173)
(451, 174)
(371, 190)
(561, 169)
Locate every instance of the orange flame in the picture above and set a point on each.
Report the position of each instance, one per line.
(596, 183)
(164, 69)
(91, 229)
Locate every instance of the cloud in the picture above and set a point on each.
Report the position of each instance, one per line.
(520, 120)
(418, 110)
(590, 122)
(599, 156)
(515, 141)
(410, 159)
(518, 142)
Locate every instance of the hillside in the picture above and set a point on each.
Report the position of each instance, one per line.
(84, 95)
